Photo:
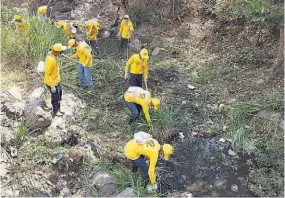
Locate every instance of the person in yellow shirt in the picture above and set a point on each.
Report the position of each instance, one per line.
(126, 31)
(42, 11)
(68, 28)
(137, 149)
(83, 52)
(137, 67)
(52, 76)
(136, 99)
(21, 25)
(92, 30)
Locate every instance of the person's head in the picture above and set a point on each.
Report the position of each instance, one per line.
(144, 54)
(126, 18)
(58, 48)
(42, 9)
(155, 103)
(72, 43)
(17, 18)
(166, 151)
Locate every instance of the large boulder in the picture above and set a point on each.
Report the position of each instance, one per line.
(4, 163)
(37, 93)
(37, 114)
(107, 186)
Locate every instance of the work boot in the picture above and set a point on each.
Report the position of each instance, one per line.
(59, 114)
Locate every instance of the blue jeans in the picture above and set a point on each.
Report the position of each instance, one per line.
(142, 166)
(85, 72)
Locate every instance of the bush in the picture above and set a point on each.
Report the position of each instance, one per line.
(140, 14)
(204, 75)
(20, 51)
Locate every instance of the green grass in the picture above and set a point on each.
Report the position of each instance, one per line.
(21, 52)
(128, 179)
(203, 75)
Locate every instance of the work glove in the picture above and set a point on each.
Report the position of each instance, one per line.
(127, 76)
(152, 187)
(53, 89)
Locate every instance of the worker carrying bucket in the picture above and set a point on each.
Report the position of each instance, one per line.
(136, 68)
(137, 99)
(144, 146)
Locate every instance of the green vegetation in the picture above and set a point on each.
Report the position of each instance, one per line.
(20, 51)
(264, 138)
(140, 14)
(203, 75)
(21, 133)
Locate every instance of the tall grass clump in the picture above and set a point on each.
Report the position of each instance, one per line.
(24, 50)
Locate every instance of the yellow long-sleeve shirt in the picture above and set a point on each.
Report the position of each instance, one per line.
(92, 31)
(150, 150)
(52, 76)
(83, 52)
(126, 29)
(135, 65)
(139, 96)
(67, 31)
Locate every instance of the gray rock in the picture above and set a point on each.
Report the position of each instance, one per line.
(6, 135)
(61, 184)
(106, 34)
(109, 190)
(135, 45)
(234, 188)
(128, 192)
(37, 115)
(100, 178)
(156, 51)
(232, 153)
(37, 93)
(65, 192)
(4, 163)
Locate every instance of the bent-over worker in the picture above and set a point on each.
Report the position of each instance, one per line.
(136, 99)
(21, 25)
(137, 151)
(68, 28)
(83, 53)
(42, 11)
(52, 77)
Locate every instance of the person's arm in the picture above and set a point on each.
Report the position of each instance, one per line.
(151, 169)
(131, 27)
(145, 69)
(75, 55)
(48, 69)
(129, 62)
(88, 57)
(146, 112)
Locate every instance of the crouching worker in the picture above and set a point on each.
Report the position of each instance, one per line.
(52, 77)
(83, 52)
(137, 99)
(142, 147)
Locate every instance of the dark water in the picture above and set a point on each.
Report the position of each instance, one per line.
(203, 167)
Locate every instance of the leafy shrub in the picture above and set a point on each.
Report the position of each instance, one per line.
(140, 14)
(247, 57)
(204, 75)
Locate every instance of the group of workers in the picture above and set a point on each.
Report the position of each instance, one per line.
(136, 99)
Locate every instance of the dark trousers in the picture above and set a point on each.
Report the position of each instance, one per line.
(94, 45)
(142, 166)
(124, 43)
(136, 80)
(56, 97)
(135, 110)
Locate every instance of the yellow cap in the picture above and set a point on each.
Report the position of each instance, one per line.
(167, 151)
(155, 102)
(126, 16)
(17, 17)
(70, 43)
(58, 47)
(59, 24)
(42, 10)
(144, 54)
